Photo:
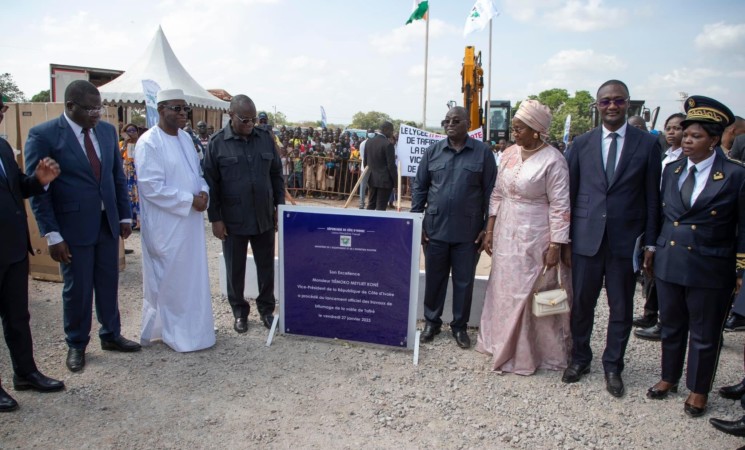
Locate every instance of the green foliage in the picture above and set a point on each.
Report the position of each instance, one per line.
(41, 97)
(277, 119)
(372, 119)
(137, 117)
(10, 89)
(561, 105)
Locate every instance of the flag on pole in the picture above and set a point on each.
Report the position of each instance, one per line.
(567, 125)
(480, 15)
(150, 88)
(420, 11)
(323, 117)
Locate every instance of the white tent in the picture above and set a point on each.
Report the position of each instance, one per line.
(158, 63)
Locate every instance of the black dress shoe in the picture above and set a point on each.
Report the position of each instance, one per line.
(733, 427)
(653, 333)
(240, 325)
(120, 344)
(462, 339)
(574, 372)
(656, 393)
(694, 411)
(733, 392)
(7, 403)
(267, 320)
(38, 382)
(75, 359)
(614, 384)
(428, 335)
(735, 322)
(645, 321)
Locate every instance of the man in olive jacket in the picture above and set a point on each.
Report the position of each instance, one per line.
(244, 173)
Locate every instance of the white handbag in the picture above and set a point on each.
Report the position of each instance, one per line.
(553, 301)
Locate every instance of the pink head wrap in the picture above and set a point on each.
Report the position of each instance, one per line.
(536, 115)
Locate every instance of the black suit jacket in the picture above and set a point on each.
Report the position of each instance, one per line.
(380, 158)
(14, 238)
(623, 210)
(738, 148)
(699, 247)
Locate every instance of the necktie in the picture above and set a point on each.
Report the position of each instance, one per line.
(610, 165)
(686, 191)
(90, 150)
(3, 175)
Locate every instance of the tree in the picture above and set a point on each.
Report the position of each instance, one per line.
(277, 119)
(10, 89)
(41, 97)
(372, 119)
(561, 105)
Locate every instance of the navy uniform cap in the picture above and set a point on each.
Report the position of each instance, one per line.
(262, 115)
(706, 110)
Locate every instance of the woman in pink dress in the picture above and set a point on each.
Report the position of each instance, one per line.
(528, 225)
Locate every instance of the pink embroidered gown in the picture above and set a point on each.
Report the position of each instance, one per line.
(531, 204)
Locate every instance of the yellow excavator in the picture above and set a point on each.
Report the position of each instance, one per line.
(472, 76)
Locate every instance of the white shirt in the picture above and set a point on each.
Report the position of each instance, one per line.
(671, 155)
(619, 142)
(702, 174)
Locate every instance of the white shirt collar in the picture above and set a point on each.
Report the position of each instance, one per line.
(703, 165)
(77, 129)
(621, 131)
(675, 153)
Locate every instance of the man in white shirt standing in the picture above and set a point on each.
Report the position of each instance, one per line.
(177, 304)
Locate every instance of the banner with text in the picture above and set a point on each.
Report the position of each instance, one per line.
(350, 275)
(412, 143)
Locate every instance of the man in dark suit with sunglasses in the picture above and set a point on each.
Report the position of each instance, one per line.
(614, 174)
(82, 215)
(244, 172)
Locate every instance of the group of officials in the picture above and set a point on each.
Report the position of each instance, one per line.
(693, 234)
(81, 204)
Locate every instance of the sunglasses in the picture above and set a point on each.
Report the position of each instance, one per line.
(619, 102)
(178, 108)
(92, 110)
(245, 121)
(454, 121)
(131, 130)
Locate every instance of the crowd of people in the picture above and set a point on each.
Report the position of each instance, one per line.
(578, 220)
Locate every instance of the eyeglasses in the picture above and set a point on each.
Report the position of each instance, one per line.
(245, 121)
(453, 121)
(131, 130)
(92, 110)
(178, 108)
(619, 102)
(517, 130)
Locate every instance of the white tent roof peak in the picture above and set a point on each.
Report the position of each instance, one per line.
(158, 63)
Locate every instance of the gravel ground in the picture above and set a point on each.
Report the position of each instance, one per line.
(312, 393)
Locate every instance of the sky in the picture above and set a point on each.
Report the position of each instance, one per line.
(294, 56)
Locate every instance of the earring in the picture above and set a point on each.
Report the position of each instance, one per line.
(535, 135)
(711, 149)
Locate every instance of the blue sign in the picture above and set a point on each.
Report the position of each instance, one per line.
(349, 275)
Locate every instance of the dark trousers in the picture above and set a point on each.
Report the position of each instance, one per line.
(588, 273)
(651, 305)
(234, 248)
(15, 316)
(378, 198)
(440, 258)
(94, 269)
(696, 315)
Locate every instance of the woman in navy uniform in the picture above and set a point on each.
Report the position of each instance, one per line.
(700, 252)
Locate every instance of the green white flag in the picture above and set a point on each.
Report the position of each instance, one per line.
(480, 15)
(420, 11)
